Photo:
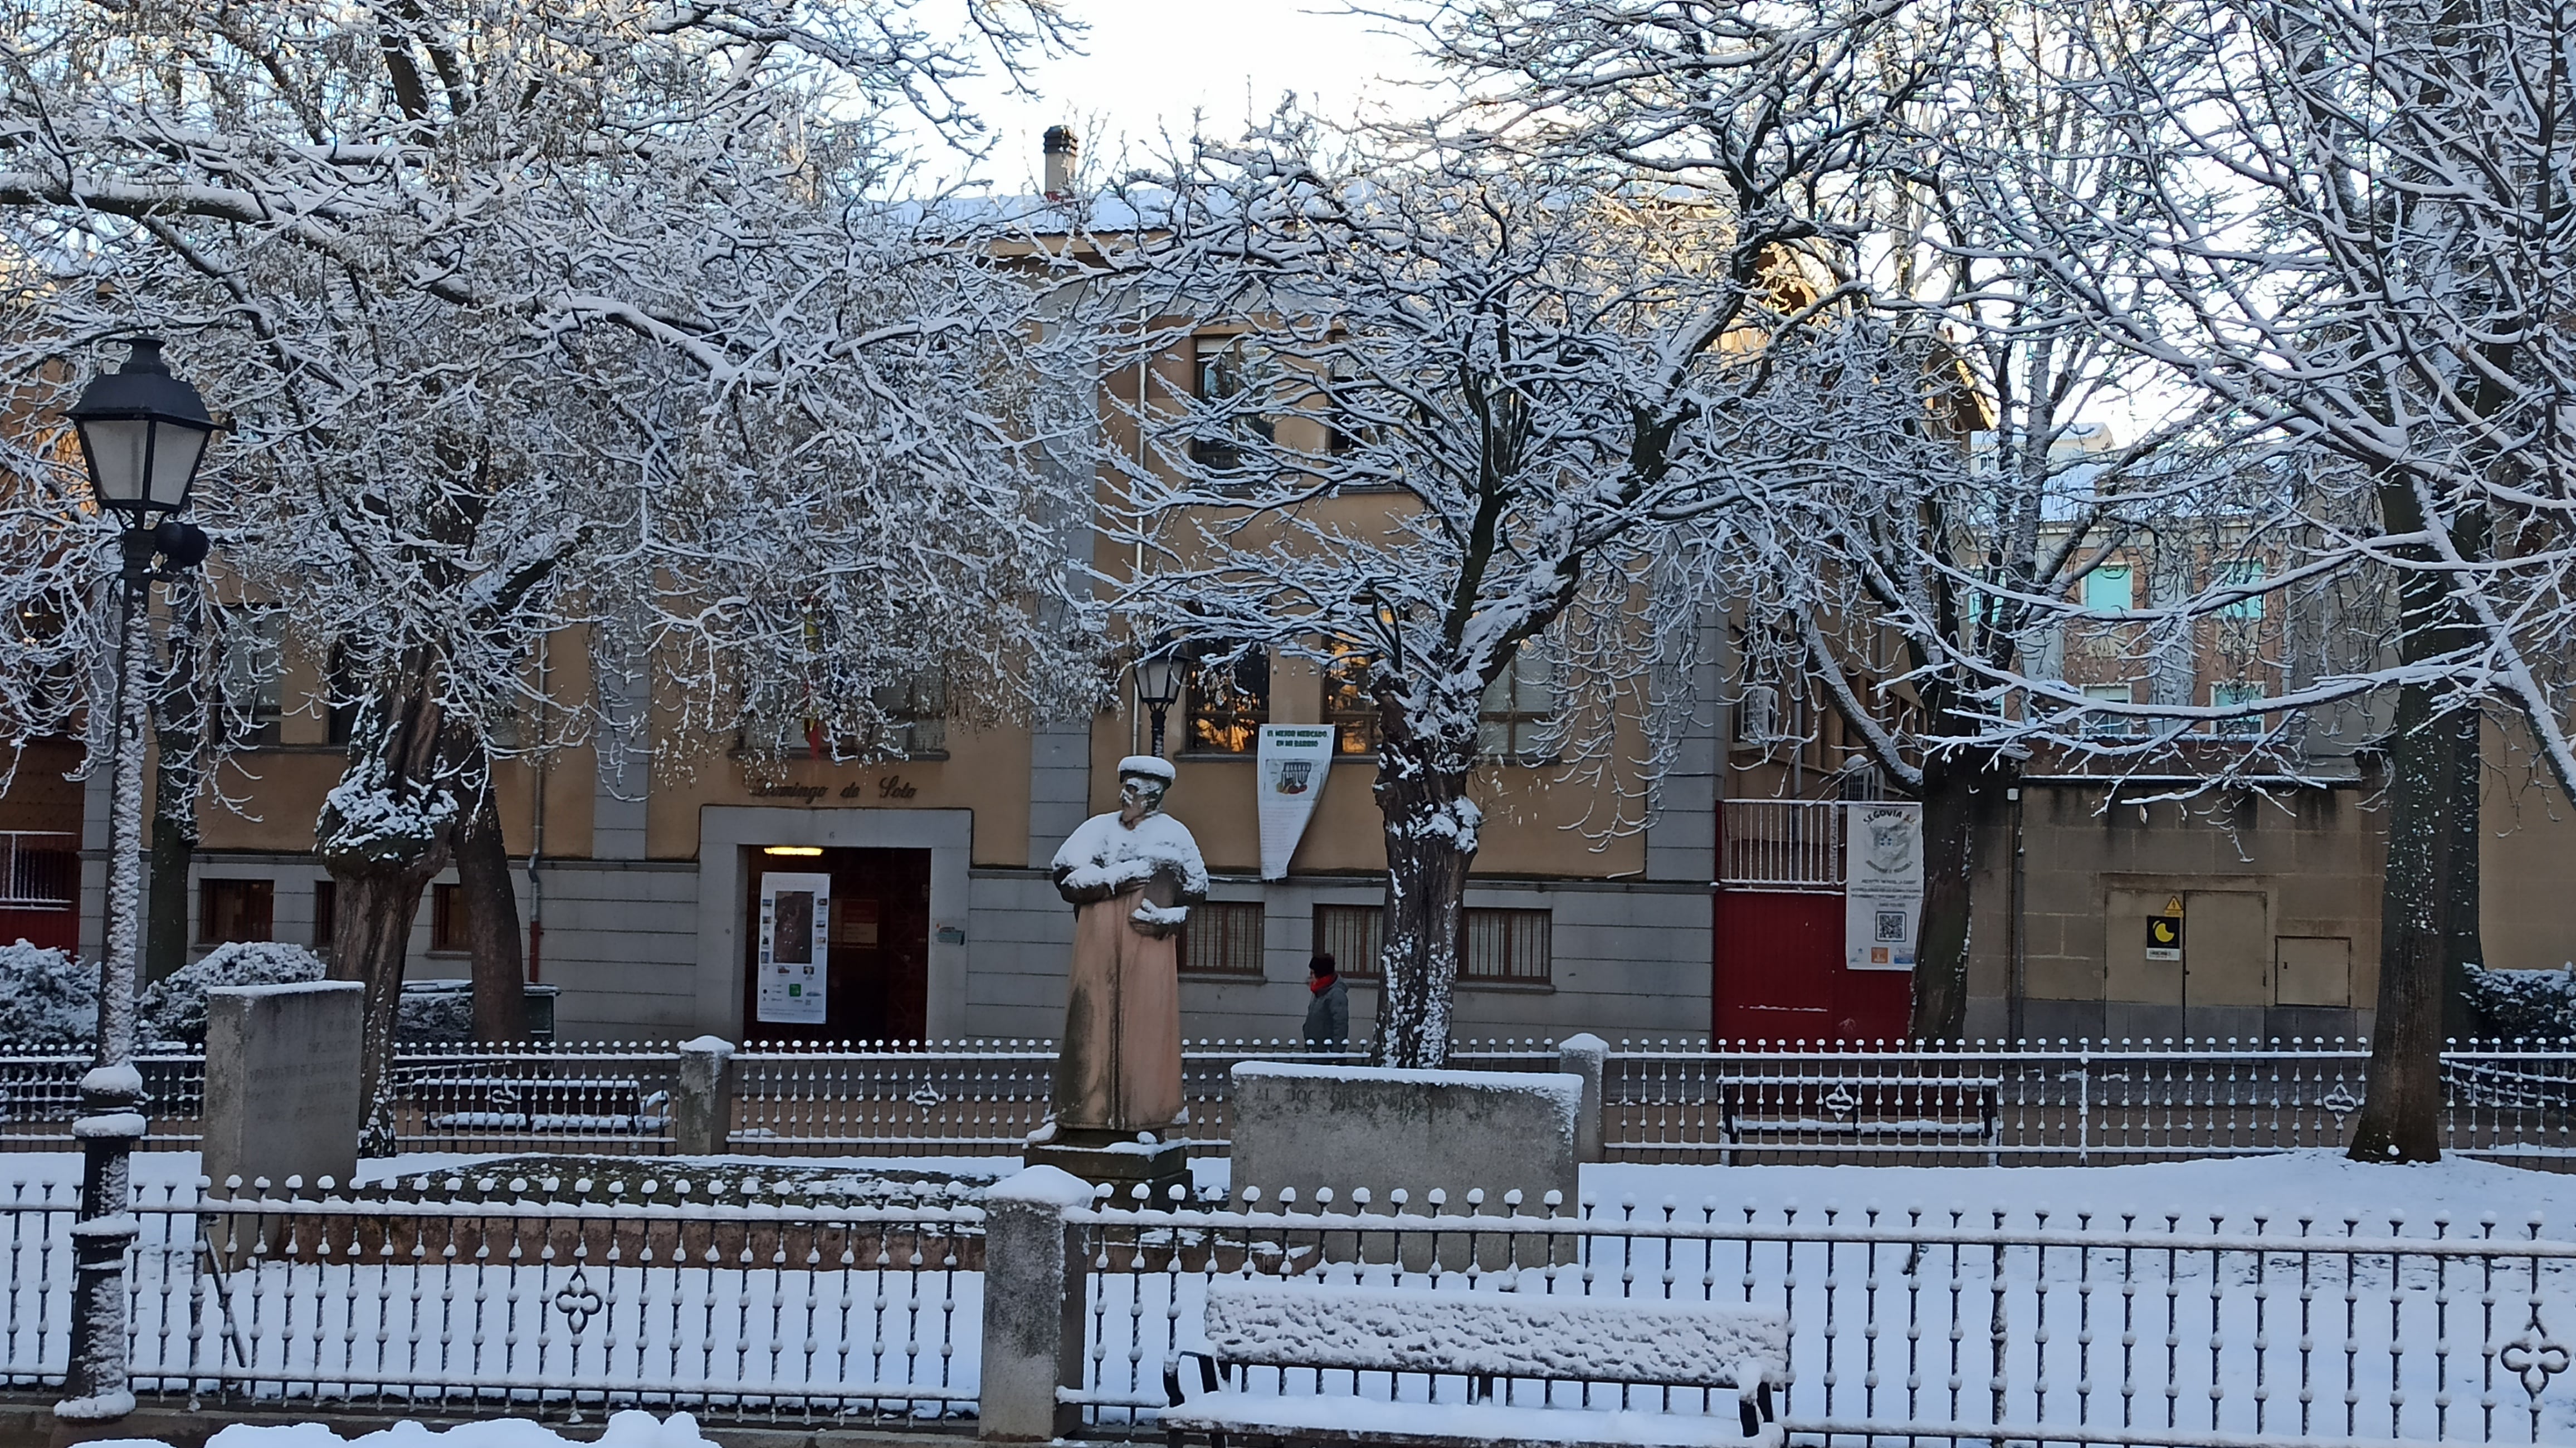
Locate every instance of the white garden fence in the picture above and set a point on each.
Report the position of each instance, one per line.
(725, 1298)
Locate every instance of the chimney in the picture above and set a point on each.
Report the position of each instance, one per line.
(1060, 149)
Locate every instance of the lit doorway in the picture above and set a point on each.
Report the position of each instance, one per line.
(875, 930)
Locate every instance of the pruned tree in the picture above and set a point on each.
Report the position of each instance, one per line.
(594, 326)
(1527, 381)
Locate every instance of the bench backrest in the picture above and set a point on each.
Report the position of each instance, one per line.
(1272, 1323)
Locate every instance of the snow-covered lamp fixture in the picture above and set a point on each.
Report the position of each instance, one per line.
(1158, 684)
(143, 433)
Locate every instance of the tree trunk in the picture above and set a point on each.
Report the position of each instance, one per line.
(174, 848)
(491, 923)
(2428, 913)
(1430, 841)
(383, 834)
(2431, 835)
(179, 738)
(1958, 794)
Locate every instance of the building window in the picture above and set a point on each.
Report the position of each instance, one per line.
(1223, 937)
(1347, 706)
(2236, 696)
(1512, 721)
(1350, 934)
(2243, 574)
(1507, 947)
(1510, 947)
(447, 918)
(2108, 588)
(916, 715)
(1228, 368)
(2110, 726)
(254, 665)
(326, 914)
(235, 910)
(1228, 702)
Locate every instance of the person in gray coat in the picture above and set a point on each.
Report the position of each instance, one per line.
(1328, 1010)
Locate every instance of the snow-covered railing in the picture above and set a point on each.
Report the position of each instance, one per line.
(733, 1297)
(2067, 1102)
(1951, 1325)
(1684, 1101)
(40, 1098)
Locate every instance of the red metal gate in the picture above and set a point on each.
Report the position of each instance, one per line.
(1777, 962)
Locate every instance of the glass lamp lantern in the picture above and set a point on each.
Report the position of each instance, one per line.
(143, 433)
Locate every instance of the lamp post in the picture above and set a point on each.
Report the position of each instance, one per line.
(1158, 685)
(143, 433)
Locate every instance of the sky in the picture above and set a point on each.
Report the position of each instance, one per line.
(1148, 65)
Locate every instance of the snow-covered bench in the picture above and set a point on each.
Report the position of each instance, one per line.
(1480, 1336)
(1893, 1110)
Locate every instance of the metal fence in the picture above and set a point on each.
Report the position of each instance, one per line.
(2073, 1102)
(1952, 1326)
(546, 1295)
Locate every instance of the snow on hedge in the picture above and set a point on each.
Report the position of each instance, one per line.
(48, 999)
(174, 1007)
(2533, 1005)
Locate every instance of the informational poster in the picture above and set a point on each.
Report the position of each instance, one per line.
(1883, 889)
(2164, 932)
(795, 948)
(1289, 772)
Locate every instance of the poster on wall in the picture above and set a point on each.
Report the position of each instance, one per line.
(1289, 772)
(795, 948)
(1883, 889)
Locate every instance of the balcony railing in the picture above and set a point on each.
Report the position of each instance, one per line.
(39, 870)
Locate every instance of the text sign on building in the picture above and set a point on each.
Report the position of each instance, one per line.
(795, 948)
(1883, 890)
(1289, 773)
(2164, 932)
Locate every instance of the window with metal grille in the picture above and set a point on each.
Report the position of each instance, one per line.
(1350, 933)
(1223, 937)
(231, 910)
(1511, 947)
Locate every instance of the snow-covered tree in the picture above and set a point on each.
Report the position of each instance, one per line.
(596, 327)
(2354, 216)
(1462, 409)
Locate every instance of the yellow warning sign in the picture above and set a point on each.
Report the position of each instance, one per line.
(2173, 904)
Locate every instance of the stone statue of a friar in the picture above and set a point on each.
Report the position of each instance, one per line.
(1131, 877)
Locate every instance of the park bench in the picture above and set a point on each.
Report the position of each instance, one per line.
(580, 1104)
(1482, 1336)
(1891, 1111)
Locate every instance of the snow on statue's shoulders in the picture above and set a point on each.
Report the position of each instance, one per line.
(1104, 851)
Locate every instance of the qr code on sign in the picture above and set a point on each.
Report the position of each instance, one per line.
(1891, 926)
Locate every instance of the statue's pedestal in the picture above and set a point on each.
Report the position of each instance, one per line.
(1118, 1161)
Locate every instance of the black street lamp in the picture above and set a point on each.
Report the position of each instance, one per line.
(1159, 676)
(143, 432)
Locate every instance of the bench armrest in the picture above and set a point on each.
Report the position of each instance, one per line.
(1172, 1375)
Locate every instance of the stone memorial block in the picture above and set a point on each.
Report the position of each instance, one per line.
(282, 1084)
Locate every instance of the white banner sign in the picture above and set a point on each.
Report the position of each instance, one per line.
(1289, 773)
(1883, 890)
(795, 948)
